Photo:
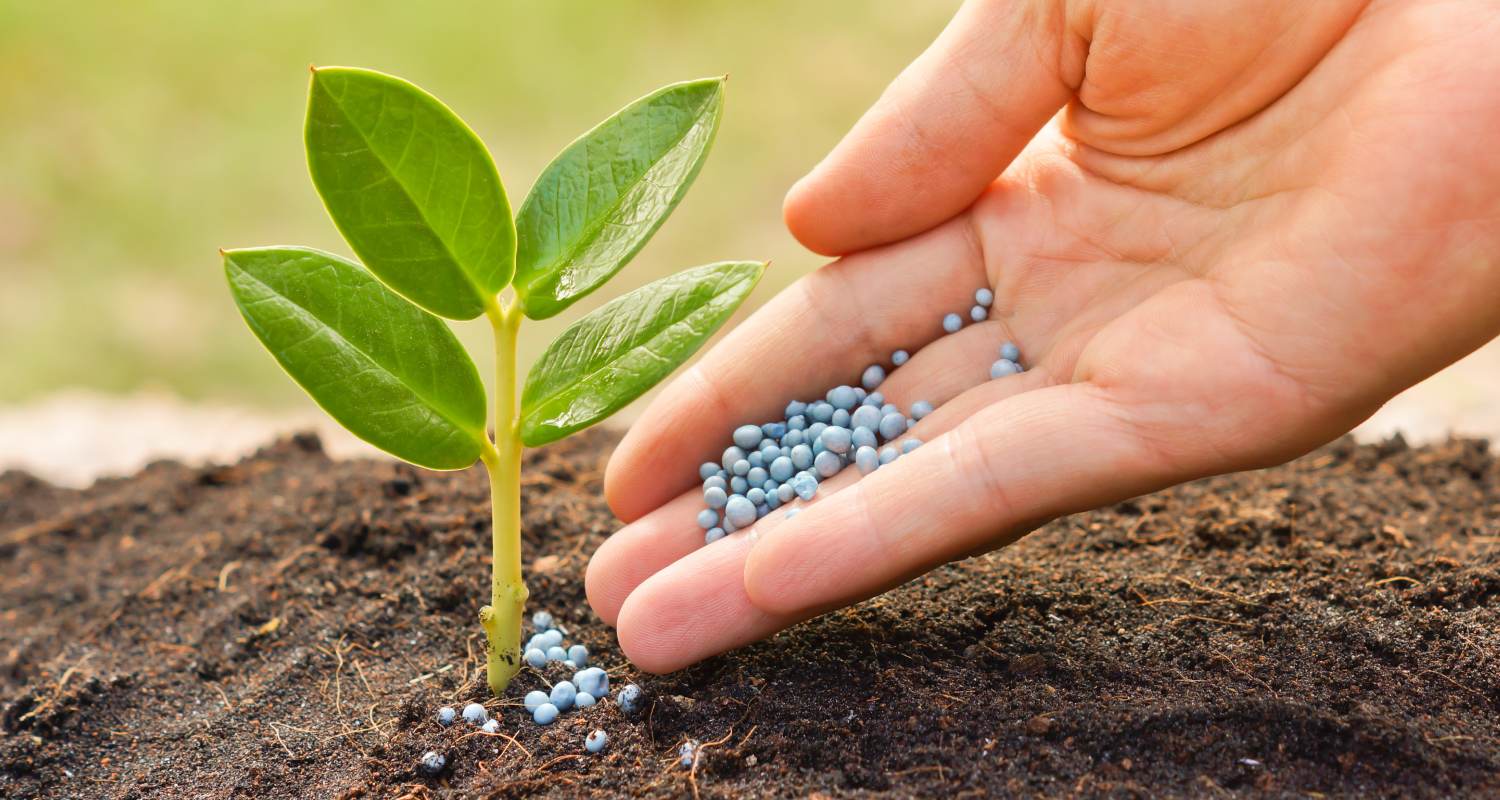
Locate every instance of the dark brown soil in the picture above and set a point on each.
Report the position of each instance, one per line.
(286, 627)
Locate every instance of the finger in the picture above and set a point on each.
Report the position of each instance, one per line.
(1013, 465)
(657, 540)
(693, 609)
(945, 128)
(1163, 76)
(640, 550)
(951, 410)
(697, 605)
(819, 333)
(827, 327)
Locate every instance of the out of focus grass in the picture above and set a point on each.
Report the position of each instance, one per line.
(137, 138)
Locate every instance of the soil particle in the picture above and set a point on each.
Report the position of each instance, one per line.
(288, 625)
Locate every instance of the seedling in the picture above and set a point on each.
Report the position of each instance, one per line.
(417, 197)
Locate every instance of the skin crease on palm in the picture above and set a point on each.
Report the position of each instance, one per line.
(1223, 234)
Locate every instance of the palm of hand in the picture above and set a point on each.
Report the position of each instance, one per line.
(1260, 291)
(1198, 285)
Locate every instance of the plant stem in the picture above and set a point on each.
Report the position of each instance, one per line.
(501, 619)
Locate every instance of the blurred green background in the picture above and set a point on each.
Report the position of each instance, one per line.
(137, 138)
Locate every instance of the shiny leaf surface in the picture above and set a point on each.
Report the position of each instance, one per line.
(598, 203)
(625, 347)
(412, 189)
(388, 371)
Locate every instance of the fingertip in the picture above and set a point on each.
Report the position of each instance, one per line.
(694, 609)
(620, 487)
(804, 213)
(659, 456)
(601, 587)
(615, 496)
(943, 130)
(646, 635)
(639, 550)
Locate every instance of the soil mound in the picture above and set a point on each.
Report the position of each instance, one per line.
(286, 627)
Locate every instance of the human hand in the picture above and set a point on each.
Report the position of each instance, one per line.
(1253, 223)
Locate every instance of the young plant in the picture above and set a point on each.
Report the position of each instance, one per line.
(417, 196)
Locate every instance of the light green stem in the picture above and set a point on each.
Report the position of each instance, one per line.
(501, 619)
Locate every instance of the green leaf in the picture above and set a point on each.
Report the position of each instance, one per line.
(388, 371)
(598, 203)
(411, 188)
(616, 353)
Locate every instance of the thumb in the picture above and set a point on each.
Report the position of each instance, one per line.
(943, 130)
